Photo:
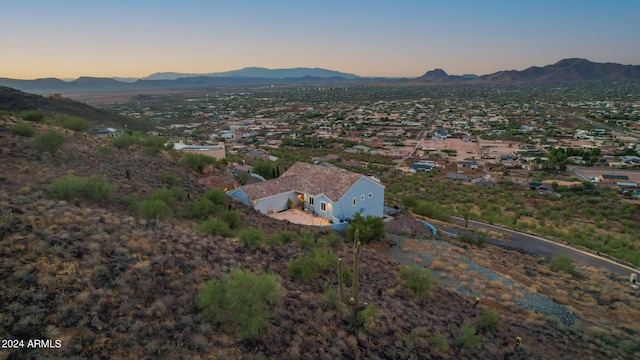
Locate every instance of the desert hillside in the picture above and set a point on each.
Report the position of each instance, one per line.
(91, 271)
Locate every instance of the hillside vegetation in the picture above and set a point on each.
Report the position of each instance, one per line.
(84, 263)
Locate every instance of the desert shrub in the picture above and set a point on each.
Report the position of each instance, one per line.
(169, 196)
(23, 129)
(369, 312)
(472, 238)
(217, 196)
(306, 240)
(154, 209)
(430, 209)
(418, 280)
(200, 209)
(489, 320)
(65, 188)
(130, 201)
(307, 267)
(564, 263)
(95, 187)
(215, 226)
(106, 150)
(240, 301)
(251, 237)
(371, 228)
(332, 239)
(197, 162)
(468, 338)
(73, 123)
(439, 342)
(49, 141)
(153, 145)
(233, 219)
(279, 238)
(125, 141)
(415, 340)
(32, 115)
(167, 178)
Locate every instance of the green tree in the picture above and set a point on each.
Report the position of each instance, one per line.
(371, 228)
(73, 123)
(241, 301)
(154, 209)
(49, 141)
(263, 168)
(197, 162)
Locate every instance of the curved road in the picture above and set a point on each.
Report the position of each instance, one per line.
(541, 246)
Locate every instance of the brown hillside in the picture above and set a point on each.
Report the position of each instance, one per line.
(110, 285)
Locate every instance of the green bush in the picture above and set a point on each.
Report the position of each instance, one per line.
(169, 196)
(154, 209)
(215, 226)
(66, 188)
(489, 320)
(307, 267)
(468, 337)
(72, 122)
(167, 178)
(125, 141)
(200, 209)
(153, 145)
(418, 280)
(371, 228)
(564, 263)
(23, 129)
(251, 237)
(439, 342)
(197, 162)
(32, 115)
(232, 218)
(49, 141)
(472, 238)
(279, 238)
(217, 196)
(95, 187)
(241, 302)
(106, 150)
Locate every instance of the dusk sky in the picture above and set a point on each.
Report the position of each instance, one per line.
(135, 38)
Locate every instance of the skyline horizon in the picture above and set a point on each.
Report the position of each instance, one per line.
(375, 38)
(189, 74)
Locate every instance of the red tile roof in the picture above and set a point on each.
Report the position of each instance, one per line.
(306, 178)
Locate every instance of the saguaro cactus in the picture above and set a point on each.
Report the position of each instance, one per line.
(354, 300)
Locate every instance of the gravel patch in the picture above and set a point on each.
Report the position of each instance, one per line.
(438, 248)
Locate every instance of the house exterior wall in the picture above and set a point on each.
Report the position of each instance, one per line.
(365, 205)
(277, 202)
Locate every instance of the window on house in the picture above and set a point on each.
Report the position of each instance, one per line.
(354, 201)
(370, 195)
(323, 206)
(310, 201)
(361, 197)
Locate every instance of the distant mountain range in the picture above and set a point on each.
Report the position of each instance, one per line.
(566, 70)
(258, 72)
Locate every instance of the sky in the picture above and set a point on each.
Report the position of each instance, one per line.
(401, 38)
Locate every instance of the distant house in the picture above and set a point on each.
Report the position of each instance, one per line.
(216, 151)
(461, 178)
(613, 178)
(422, 166)
(106, 132)
(470, 164)
(328, 191)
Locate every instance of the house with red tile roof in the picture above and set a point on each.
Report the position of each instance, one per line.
(325, 190)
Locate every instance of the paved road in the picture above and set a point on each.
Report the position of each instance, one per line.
(541, 246)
